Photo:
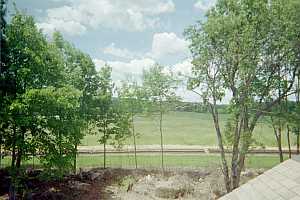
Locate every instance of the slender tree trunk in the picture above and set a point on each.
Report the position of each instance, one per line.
(298, 143)
(104, 146)
(161, 136)
(245, 142)
(0, 150)
(134, 141)
(75, 158)
(297, 102)
(277, 133)
(225, 170)
(20, 148)
(279, 143)
(289, 141)
(13, 155)
(235, 153)
(104, 155)
(19, 158)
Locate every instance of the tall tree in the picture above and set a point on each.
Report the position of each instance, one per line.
(159, 86)
(33, 64)
(240, 48)
(3, 69)
(79, 72)
(53, 117)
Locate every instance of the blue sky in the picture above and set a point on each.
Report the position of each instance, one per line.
(129, 35)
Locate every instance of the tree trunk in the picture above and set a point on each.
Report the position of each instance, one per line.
(104, 153)
(161, 136)
(279, 143)
(289, 141)
(0, 150)
(245, 142)
(134, 141)
(19, 158)
(298, 143)
(75, 159)
(235, 153)
(13, 153)
(297, 103)
(21, 148)
(225, 170)
(104, 146)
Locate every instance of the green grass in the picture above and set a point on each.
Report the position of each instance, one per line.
(153, 161)
(186, 128)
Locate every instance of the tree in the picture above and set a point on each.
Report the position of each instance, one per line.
(282, 118)
(54, 120)
(33, 64)
(80, 72)
(240, 48)
(130, 96)
(3, 69)
(297, 127)
(159, 88)
(110, 120)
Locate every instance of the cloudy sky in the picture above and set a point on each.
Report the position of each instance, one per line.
(129, 35)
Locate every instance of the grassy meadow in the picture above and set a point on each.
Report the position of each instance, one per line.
(154, 161)
(186, 128)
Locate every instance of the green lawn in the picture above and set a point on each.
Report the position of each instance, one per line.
(186, 128)
(153, 161)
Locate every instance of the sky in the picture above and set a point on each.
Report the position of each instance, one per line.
(128, 35)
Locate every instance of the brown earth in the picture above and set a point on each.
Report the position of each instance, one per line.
(125, 184)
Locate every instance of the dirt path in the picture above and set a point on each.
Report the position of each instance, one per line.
(171, 149)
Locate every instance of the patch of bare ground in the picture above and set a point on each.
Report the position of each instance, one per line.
(125, 184)
(174, 184)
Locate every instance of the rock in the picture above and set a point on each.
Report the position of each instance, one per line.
(92, 176)
(216, 194)
(145, 185)
(260, 171)
(174, 187)
(248, 173)
(79, 185)
(53, 195)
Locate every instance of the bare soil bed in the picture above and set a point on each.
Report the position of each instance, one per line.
(126, 184)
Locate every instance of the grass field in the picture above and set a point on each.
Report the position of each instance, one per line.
(153, 161)
(186, 128)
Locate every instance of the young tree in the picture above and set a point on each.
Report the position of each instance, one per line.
(110, 119)
(239, 49)
(130, 96)
(159, 88)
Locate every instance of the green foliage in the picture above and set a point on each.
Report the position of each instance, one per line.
(159, 87)
(49, 90)
(110, 118)
(247, 48)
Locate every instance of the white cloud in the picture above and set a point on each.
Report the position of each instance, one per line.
(120, 70)
(134, 69)
(120, 52)
(204, 5)
(168, 44)
(130, 15)
(183, 68)
(71, 27)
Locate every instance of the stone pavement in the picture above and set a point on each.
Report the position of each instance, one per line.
(279, 183)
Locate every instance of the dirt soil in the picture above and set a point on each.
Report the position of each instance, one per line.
(125, 184)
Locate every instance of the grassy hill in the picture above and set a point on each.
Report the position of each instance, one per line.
(186, 128)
